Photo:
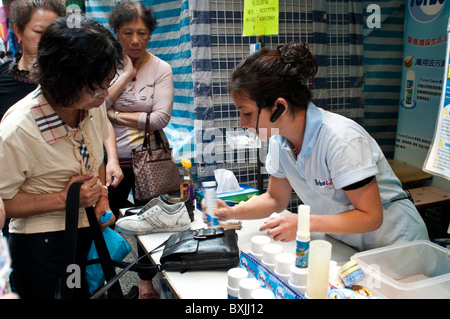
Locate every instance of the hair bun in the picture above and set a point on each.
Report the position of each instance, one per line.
(299, 61)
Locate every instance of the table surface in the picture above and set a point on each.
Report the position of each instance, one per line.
(428, 195)
(212, 284)
(408, 174)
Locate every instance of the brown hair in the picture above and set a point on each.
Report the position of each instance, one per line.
(267, 75)
(126, 11)
(21, 10)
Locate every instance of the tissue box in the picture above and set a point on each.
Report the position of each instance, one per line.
(231, 198)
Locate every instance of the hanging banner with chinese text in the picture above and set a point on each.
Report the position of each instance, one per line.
(424, 51)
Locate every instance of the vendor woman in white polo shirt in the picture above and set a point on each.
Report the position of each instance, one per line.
(330, 161)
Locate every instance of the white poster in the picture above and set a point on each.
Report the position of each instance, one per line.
(438, 158)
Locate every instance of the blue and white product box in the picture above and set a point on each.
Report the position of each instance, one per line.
(231, 198)
(267, 278)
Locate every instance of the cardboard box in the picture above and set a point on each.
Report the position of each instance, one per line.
(231, 198)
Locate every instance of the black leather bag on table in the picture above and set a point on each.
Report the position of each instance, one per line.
(201, 249)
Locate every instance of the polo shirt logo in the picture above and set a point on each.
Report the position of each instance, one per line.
(324, 183)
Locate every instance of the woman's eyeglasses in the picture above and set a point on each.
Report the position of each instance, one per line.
(97, 94)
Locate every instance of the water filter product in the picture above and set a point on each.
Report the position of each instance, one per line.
(257, 244)
(298, 278)
(246, 286)
(270, 252)
(283, 263)
(268, 279)
(262, 293)
(209, 190)
(303, 236)
(235, 275)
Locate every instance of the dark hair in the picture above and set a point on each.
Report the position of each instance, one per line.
(21, 10)
(126, 11)
(267, 75)
(72, 58)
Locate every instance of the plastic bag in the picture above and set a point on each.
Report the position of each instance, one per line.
(118, 249)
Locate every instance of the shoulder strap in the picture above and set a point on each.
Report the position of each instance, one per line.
(146, 143)
(70, 240)
(158, 139)
(115, 290)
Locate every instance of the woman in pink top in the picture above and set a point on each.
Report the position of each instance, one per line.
(144, 86)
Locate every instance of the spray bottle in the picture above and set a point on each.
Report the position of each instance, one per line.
(299, 270)
(303, 237)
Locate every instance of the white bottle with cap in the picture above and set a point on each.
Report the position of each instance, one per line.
(209, 191)
(246, 286)
(257, 244)
(283, 262)
(303, 236)
(235, 275)
(270, 252)
(298, 278)
(262, 293)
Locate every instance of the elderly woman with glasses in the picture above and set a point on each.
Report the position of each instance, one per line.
(51, 139)
(145, 86)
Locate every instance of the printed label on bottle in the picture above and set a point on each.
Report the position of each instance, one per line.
(211, 219)
(191, 193)
(301, 254)
(211, 206)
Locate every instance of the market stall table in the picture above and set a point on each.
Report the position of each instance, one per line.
(212, 284)
(408, 175)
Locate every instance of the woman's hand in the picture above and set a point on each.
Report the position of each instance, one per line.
(130, 67)
(100, 208)
(114, 173)
(223, 211)
(89, 190)
(282, 228)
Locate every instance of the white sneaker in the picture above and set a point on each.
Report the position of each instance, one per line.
(156, 217)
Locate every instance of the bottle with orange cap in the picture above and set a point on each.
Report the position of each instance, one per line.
(187, 182)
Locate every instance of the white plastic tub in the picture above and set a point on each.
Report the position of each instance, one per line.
(417, 269)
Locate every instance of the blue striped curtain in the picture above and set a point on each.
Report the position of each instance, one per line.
(170, 41)
(337, 45)
(383, 54)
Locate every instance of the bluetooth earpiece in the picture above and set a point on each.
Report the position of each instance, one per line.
(278, 112)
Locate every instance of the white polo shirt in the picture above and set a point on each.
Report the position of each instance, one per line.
(337, 152)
